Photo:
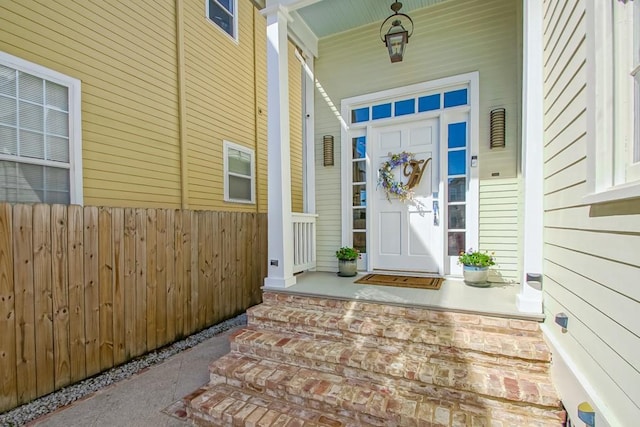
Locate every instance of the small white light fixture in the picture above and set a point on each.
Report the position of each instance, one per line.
(397, 37)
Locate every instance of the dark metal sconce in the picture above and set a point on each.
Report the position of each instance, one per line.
(497, 128)
(327, 149)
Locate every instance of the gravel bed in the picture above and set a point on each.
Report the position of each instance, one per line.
(45, 404)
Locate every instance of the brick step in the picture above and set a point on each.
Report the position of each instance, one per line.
(376, 404)
(514, 327)
(381, 330)
(230, 406)
(409, 369)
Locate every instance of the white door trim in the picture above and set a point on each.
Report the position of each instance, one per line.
(471, 80)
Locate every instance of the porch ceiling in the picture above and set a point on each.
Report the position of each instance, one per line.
(327, 17)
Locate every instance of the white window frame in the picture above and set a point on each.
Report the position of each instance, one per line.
(227, 145)
(75, 122)
(234, 15)
(612, 108)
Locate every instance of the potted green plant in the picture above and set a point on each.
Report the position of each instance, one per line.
(475, 267)
(347, 261)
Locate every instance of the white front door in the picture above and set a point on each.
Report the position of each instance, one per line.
(406, 236)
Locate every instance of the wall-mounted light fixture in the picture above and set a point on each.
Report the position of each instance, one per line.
(562, 320)
(327, 149)
(397, 37)
(497, 128)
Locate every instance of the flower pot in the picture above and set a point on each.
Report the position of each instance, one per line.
(347, 268)
(476, 276)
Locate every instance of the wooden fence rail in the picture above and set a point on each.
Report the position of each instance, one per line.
(83, 289)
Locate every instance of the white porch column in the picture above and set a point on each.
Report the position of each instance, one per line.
(309, 135)
(280, 261)
(529, 299)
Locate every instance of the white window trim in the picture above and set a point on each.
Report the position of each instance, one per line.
(609, 175)
(227, 145)
(75, 118)
(235, 37)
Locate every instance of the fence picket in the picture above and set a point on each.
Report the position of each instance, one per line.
(170, 294)
(60, 296)
(161, 277)
(141, 283)
(75, 245)
(129, 283)
(24, 297)
(117, 227)
(43, 307)
(151, 278)
(8, 386)
(91, 291)
(105, 293)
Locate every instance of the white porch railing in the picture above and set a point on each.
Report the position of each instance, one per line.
(304, 241)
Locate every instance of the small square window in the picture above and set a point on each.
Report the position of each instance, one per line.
(238, 173)
(223, 13)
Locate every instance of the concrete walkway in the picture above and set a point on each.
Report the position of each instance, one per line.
(140, 400)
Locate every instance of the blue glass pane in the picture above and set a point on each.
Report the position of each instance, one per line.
(360, 115)
(381, 111)
(457, 162)
(457, 135)
(221, 17)
(408, 106)
(227, 4)
(455, 98)
(429, 103)
(359, 147)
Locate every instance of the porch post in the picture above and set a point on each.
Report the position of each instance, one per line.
(309, 132)
(529, 299)
(280, 228)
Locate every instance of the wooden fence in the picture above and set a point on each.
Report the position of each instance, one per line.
(83, 289)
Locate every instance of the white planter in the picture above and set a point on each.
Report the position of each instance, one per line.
(476, 276)
(348, 268)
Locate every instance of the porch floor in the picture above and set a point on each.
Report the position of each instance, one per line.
(454, 295)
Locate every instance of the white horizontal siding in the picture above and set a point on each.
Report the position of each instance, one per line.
(499, 228)
(591, 262)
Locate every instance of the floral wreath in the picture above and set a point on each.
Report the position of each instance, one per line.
(386, 177)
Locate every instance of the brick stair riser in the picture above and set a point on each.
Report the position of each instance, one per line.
(466, 320)
(420, 351)
(326, 326)
(326, 391)
(226, 405)
(407, 372)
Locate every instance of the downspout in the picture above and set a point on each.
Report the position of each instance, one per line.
(257, 111)
(182, 106)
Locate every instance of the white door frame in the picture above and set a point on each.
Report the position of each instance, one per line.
(471, 80)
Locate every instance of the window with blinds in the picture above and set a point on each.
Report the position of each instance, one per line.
(238, 173)
(35, 154)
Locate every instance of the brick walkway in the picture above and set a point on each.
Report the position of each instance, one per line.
(306, 361)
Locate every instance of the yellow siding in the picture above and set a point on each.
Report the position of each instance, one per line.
(125, 57)
(450, 38)
(591, 251)
(125, 54)
(222, 102)
(295, 119)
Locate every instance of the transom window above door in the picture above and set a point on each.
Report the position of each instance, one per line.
(410, 105)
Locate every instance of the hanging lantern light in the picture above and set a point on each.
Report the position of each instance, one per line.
(397, 36)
